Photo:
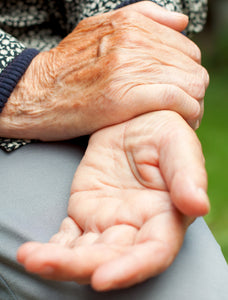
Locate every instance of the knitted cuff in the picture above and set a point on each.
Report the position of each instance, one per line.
(13, 73)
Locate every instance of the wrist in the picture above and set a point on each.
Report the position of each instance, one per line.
(25, 99)
(12, 73)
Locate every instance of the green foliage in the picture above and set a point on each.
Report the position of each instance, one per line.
(213, 134)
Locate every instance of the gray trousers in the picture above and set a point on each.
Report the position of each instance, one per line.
(35, 185)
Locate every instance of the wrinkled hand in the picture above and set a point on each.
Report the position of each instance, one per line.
(111, 68)
(124, 225)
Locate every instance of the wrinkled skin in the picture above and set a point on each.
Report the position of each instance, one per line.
(138, 187)
(111, 68)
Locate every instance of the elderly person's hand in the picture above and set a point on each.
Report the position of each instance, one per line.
(129, 203)
(111, 68)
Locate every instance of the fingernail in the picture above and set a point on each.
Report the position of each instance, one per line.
(204, 197)
(197, 124)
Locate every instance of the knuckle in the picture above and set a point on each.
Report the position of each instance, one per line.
(206, 77)
(127, 38)
(176, 100)
(125, 17)
(201, 104)
(92, 22)
(172, 93)
(197, 112)
(199, 89)
(83, 23)
(200, 83)
(113, 60)
(195, 53)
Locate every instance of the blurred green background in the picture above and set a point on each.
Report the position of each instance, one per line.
(213, 131)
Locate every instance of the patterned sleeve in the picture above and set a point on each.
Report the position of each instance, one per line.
(196, 10)
(9, 49)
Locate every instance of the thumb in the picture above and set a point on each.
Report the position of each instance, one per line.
(174, 20)
(182, 166)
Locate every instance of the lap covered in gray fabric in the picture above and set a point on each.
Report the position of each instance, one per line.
(35, 186)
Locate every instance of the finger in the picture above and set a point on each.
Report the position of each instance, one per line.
(68, 232)
(177, 40)
(131, 268)
(157, 63)
(165, 97)
(170, 56)
(159, 14)
(156, 247)
(122, 234)
(58, 262)
(182, 165)
(152, 29)
(196, 123)
(26, 249)
(192, 84)
(86, 239)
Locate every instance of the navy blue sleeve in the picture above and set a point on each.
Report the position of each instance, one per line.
(13, 73)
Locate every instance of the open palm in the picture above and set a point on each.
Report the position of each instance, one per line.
(129, 202)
